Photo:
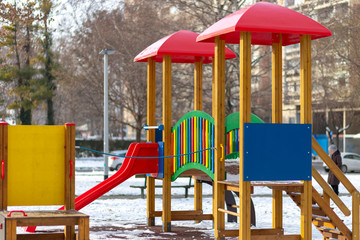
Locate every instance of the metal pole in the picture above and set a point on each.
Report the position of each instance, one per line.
(106, 117)
(344, 134)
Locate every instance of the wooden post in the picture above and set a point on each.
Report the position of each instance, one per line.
(355, 215)
(150, 136)
(69, 175)
(245, 117)
(166, 215)
(4, 162)
(277, 203)
(198, 89)
(198, 106)
(219, 116)
(305, 99)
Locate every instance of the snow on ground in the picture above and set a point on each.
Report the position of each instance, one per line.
(120, 212)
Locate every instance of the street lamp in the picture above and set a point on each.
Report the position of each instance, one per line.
(106, 53)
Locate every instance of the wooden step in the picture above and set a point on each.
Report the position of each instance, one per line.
(331, 233)
(320, 221)
(296, 197)
(316, 210)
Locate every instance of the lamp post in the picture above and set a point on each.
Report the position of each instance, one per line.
(106, 53)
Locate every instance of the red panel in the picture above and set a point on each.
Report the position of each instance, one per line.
(265, 21)
(182, 47)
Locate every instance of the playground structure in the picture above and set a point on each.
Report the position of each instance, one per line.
(259, 24)
(38, 169)
(199, 144)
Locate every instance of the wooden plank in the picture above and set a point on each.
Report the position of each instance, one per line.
(272, 237)
(331, 214)
(198, 106)
(83, 228)
(198, 89)
(166, 217)
(5, 158)
(305, 116)
(277, 211)
(245, 117)
(151, 86)
(267, 231)
(228, 212)
(197, 195)
(41, 236)
(334, 168)
(219, 117)
(10, 229)
(255, 234)
(65, 221)
(201, 217)
(355, 215)
(328, 190)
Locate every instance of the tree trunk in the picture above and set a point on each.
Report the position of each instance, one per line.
(25, 116)
(50, 112)
(138, 134)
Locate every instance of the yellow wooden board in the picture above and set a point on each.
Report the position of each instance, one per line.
(36, 165)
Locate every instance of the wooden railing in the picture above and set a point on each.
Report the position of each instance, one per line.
(330, 193)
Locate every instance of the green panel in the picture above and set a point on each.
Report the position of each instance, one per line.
(189, 166)
(233, 155)
(232, 121)
(195, 114)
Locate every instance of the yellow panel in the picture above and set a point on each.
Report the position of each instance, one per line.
(36, 169)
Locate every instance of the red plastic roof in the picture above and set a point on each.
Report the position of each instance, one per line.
(265, 21)
(182, 47)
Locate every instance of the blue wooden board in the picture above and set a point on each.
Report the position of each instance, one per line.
(277, 152)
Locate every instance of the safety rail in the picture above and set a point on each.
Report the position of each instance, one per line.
(347, 184)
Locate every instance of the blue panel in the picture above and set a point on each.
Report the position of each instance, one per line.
(277, 152)
(161, 162)
(323, 141)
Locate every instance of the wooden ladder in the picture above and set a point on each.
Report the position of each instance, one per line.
(323, 217)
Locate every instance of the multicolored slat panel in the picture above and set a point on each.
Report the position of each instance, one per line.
(232, 134)
(194, 132)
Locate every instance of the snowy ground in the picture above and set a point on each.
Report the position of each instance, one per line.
(121, 213)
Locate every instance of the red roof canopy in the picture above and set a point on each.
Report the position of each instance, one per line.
(182, 47)
(265, 21)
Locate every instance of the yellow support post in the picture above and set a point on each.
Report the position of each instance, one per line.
(245, 117)
(277, 195)
(219, 116)
(198, 88)
(150, 136)
(198, 106)
(69, 231)
(305, 99)
(355, 215)
(4, 161)
(166, 215)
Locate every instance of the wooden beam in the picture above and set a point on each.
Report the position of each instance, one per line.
(329, 192)
(197, 196)
(4, 162)
(331, 214)
(305, 116)
(355, 215)
(245, 117)
(277, 201)
(198, 106)
(150, 196)
(331, 164)
(219, 116)
(198, 88)
(69, 231)
(166, 217)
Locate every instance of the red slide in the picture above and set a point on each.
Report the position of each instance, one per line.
(129, 168)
